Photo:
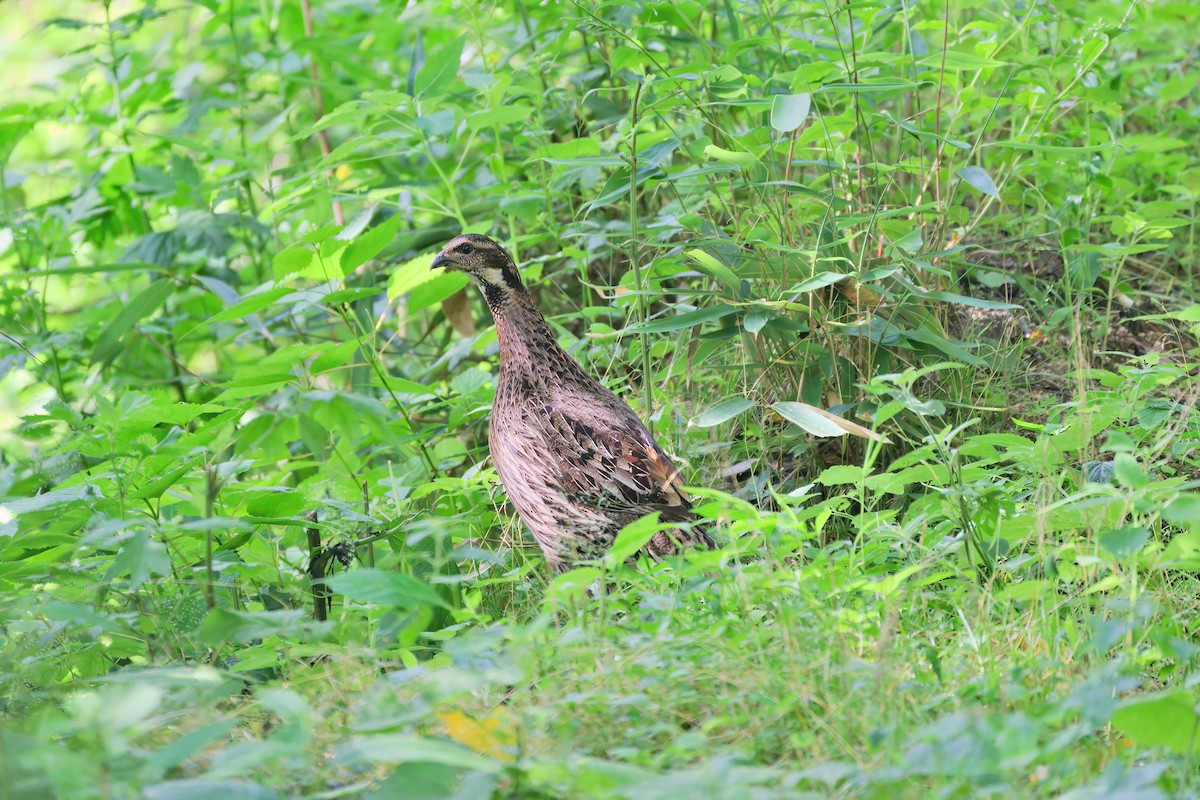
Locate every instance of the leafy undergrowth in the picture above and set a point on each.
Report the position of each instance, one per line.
(251, 544)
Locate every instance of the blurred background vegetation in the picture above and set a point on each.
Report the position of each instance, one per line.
(251, 543)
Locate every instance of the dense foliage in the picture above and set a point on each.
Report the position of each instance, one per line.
(905, 287)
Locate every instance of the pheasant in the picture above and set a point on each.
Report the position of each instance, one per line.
(575, 460)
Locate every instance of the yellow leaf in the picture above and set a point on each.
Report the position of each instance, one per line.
(493, 735)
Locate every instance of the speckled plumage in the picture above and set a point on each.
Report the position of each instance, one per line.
(576, 461)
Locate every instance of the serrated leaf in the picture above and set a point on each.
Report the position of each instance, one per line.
(440, 69)
(291, 260)
(384, 588)
(411, 274)
(369, 244)
(252, 304)
(841, 475)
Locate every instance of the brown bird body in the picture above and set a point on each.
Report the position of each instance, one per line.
(575, 460)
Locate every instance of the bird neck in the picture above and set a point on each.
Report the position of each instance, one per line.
(521, 329)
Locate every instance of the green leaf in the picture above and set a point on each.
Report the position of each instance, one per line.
(204, 789)
(253, 303)
(108, 343)
(788, 111)
(399, 748)
(819, 281)
(736, 158)
(440, 70)
(369, 244)
(1124, 543)
(808, 418)
(1128, 472)
(384, 588)
(292, 259)
(755, 321)
(503, 115)
(411, 274)
(956, 60)
(712, 266)
(721, 412)
(977, 177)
(140, 557)
(286, 503)
(685, 320)
(632, 538)
(1163, 719)
(841, 475)
(1183, 510)
(224, 625)
(436, 289)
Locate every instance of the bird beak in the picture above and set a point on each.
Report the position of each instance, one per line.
(440, 260)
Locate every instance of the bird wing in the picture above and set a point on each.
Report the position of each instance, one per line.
(617, 467)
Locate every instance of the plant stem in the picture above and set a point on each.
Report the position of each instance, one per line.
(635, 259)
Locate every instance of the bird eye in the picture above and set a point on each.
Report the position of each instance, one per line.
(465, 249)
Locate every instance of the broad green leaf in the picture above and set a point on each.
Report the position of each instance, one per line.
(632, 538)
(841, 475)
(411, 274)
(808, 418)
(722, 412)
(1163, 719)
(1124, 543)
(440, 70)
(369, 244)
(51, 499)
(226, 625)
(1128, 472)
(277, 504)
(977, 177)
(140, 557)
(502, 115)
(1183, 510)
(296, 258)
(755, 321)
(788, 111)
(386, 588)
(436, 289)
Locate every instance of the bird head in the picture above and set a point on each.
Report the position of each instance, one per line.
(484, 261)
